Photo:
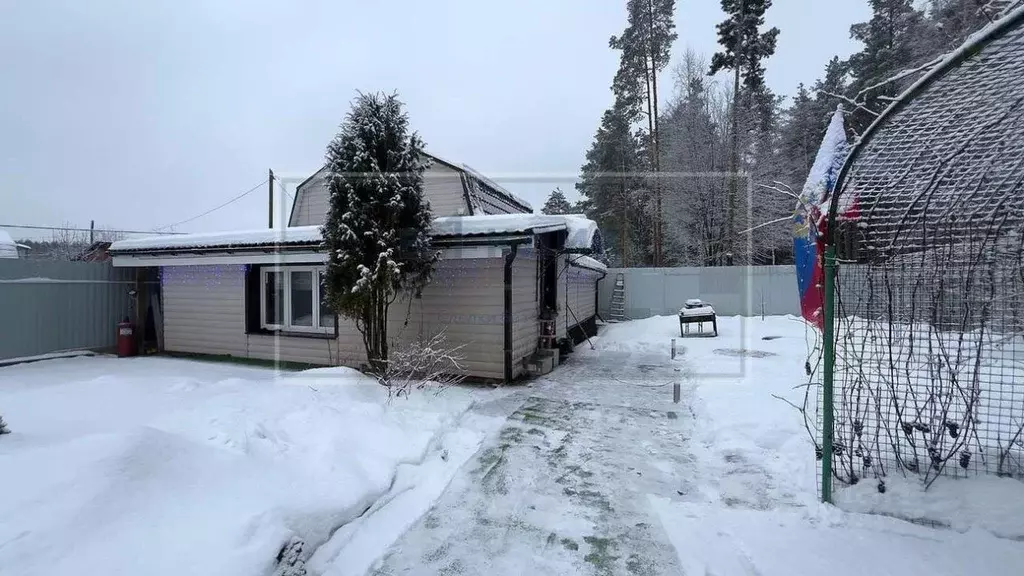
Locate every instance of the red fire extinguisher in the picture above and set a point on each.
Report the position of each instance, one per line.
(125, 339)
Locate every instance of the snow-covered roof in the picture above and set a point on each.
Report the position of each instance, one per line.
(8, 248)
(580, 229)
(496, 224)
(580, 233)
(498, 188)
(943, 163)
(295, 235)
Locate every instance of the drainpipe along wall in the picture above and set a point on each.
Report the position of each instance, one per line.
(510, 258)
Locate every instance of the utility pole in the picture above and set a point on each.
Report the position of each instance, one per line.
(92, 232)
(270, 199)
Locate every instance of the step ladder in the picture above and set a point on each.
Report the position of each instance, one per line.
(617, 313)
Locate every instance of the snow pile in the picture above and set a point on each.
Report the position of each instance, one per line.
(157, 466)
(237, 238)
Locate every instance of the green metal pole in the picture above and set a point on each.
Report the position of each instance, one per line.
(827, 426)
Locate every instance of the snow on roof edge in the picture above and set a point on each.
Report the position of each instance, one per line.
(227, 239)
(588, 263)
(580, 233)
(580, 229)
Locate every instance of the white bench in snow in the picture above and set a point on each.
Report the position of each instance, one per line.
(696, 312)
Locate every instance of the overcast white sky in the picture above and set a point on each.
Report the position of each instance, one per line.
(140, 114)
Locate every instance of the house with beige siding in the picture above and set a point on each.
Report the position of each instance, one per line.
(505, 276)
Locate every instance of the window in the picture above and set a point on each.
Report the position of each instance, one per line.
(327, 316)
(293, 300)
(273, 299)
(302, 298)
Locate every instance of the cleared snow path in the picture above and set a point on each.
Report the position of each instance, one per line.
(564, 487)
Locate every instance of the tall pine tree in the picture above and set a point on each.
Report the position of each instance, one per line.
(557, 203)
(694, 142)
(646, 45)
(828, 91)
(805, 121)
(892, 41)
(745, 47)
(613, 195)
(377, 229)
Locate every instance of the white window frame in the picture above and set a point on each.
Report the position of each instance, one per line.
(287, 326)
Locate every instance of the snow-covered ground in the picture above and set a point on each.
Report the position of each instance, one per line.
(160, 466)
(597, 471)
(756, 511)
(155, 466)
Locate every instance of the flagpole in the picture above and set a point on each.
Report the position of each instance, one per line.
(827, 391)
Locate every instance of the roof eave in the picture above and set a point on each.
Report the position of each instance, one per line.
(230, 249)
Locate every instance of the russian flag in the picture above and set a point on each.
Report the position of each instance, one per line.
(809, 220)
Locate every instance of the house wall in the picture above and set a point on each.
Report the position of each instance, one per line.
(466, 300)
(310, 202)
(442, 187)
(204, 313)
(577, 295)
(525, 308)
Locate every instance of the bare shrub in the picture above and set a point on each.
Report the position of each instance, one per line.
(431, 362)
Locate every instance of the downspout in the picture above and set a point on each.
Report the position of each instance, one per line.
(597, 295)
(510, 258)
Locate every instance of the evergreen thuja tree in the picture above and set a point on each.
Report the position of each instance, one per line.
(557, 203)
(3, 426)
(377, 229)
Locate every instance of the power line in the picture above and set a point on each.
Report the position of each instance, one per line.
(101, 230)
(231, 201)
(283, 188)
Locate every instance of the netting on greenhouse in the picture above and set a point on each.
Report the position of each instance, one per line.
(929, 298)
